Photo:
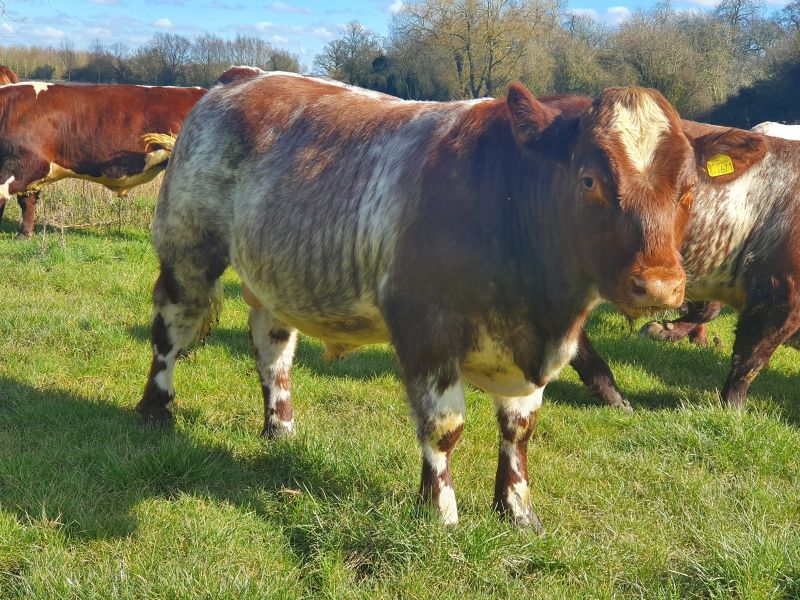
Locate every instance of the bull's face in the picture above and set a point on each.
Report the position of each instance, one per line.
(627, 175)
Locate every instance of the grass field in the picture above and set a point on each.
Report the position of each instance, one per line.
(680, 499)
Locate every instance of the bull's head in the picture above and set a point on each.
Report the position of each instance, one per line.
(628, 171)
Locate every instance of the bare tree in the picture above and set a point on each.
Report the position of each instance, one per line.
(486, 39)
(68, 56)
(349, 57)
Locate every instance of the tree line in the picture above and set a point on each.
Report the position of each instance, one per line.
(700, 60)
(735, 64)
(167, 59)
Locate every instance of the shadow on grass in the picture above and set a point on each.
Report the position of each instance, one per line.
(88, 464)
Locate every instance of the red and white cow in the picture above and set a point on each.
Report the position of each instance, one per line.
(787, 132)
(742, 248)
(475, 236)
(94, 132)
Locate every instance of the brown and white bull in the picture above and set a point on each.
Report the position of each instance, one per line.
(94, 132)
(475, 236)
(742, 248)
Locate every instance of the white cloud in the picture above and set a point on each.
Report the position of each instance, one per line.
(107, 2)
(7, 28)
(705, 3)
(396, 6)
(163, 24)
(617, 14)
(48, 33)
(279, 39)
(282, 7)
(613, 15)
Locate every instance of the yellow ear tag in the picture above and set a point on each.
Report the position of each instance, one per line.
(721, 164)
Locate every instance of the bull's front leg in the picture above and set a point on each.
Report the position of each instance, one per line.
(27, 204)
(437, 402)
(517, 420)
(596, 374)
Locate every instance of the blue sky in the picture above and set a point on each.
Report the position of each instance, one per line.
(301, 26)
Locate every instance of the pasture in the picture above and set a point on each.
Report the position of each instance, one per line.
(681, 499)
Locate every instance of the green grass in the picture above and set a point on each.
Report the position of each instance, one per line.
(681, 499)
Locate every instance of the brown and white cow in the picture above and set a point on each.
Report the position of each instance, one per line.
(7, 75)
(742, 248)
(475, 236)
(94, 132)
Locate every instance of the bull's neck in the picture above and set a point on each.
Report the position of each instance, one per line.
(543, 247)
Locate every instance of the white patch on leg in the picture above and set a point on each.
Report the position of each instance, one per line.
(640, 129)
(446, 505)
(4, 193)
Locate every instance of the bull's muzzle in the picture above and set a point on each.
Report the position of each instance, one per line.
(657, 288)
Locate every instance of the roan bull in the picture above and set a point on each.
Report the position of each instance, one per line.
(115, 135)
(742, 248)
(476, 236)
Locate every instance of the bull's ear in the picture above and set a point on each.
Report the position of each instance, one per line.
(723, 156)
(538, 127)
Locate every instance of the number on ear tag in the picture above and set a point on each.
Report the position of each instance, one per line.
(719, 165)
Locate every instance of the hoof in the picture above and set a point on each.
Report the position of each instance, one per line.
(21, 237)
(653, 330)
(529, 520)
(156, 417)
(273, 431)
(620, 402)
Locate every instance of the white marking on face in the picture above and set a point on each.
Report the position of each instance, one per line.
(640, 129)
(4, 193)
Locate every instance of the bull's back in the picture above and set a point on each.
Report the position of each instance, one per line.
(314, 183)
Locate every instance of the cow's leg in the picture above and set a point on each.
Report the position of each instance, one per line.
(27, 205)
(762, 327)
(273, 347)
(691, 324)
(185, 299)
(596, 375)
(517, 420)
(437, 402)
(2, 207)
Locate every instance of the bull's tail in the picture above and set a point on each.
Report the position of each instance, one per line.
(165, 141)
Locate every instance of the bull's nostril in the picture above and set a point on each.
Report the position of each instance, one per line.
(639, 286)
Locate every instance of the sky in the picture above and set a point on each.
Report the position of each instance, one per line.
(300, 26)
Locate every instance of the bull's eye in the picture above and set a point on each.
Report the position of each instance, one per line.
(588, 183)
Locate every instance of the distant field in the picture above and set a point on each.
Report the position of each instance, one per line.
(681, 499)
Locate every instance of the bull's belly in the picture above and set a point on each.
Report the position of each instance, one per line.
(491, 367)
(154, 164)
(342, 326)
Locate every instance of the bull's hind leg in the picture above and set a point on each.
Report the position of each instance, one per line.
(273, 347)
(517, 420)
(186, 298)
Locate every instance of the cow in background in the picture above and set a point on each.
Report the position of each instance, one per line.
(115, 135)
(742, 248)
(7, 75)
(475, 236)
(787, 132)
